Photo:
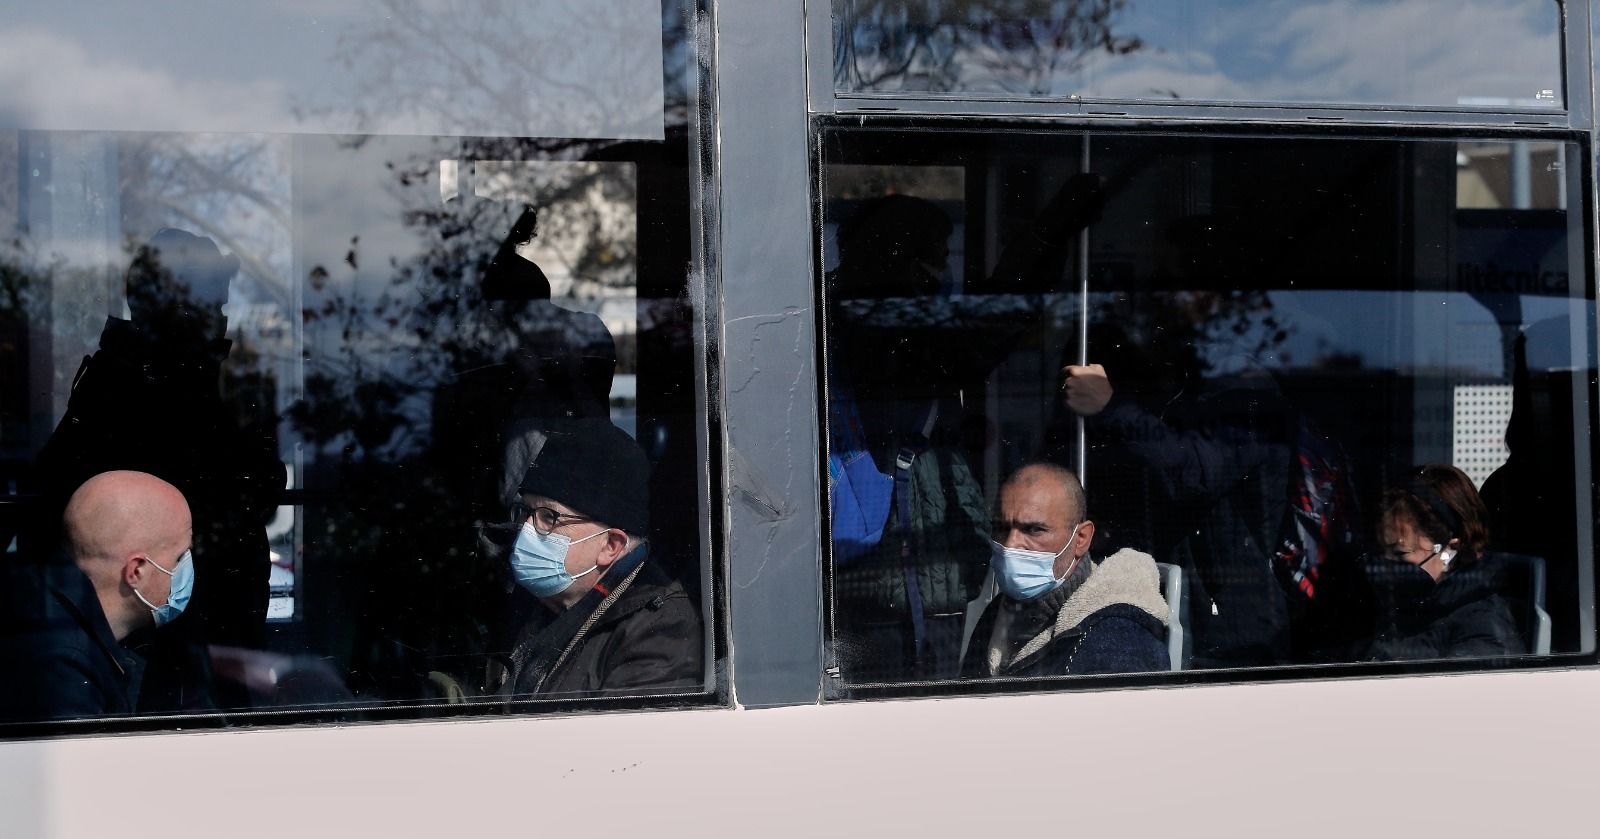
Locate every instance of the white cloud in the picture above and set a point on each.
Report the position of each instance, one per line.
(1471, 47)
(50, 82)
(319, 9)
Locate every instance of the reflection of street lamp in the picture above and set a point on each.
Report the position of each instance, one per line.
(449, 180)
(1521, 164)
(1560, 168)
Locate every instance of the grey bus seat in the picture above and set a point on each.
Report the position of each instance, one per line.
(1173, 588)
(1523, 584)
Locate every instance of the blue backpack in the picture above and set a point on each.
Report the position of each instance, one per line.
(858, 494)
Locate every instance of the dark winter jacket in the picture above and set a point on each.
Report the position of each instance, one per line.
(643, 636)
(1114, 622)
(57, 651)
(1462, 616)
(1219, 456)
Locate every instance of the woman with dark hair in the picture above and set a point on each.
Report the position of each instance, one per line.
(1438, 592)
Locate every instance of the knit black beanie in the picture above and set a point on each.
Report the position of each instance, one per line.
(596, 469)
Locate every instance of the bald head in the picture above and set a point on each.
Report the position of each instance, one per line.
(1048, 478)
(117, 524)
(117, 513)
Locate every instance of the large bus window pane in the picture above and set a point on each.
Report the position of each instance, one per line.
(374, 366)
(1480, 54)
(1303, 358)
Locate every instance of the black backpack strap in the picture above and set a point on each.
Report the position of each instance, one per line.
(916, 445)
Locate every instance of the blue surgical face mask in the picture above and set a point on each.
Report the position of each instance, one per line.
(540, 562)
(178, 593)
(1023, 574)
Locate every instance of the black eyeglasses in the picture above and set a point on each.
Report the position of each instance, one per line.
(545, 519)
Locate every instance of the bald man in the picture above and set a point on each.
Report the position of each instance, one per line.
(1058, 612)
(125, 566)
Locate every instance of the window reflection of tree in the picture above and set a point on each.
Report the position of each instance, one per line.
(25, 280)
(222, 186)
(411, 488)
(487, 59)
(233, 190)
(360, 400)
(1020, 46)
(403, 519)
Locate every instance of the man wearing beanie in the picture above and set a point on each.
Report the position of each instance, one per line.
(612, 621)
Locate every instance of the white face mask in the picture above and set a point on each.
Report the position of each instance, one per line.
(1023, 574)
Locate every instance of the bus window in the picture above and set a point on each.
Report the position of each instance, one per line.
(1117, 402)
(399, 306)
(1484, 54)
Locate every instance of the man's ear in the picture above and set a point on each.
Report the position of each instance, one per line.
(1085, 538)
(616, 546)
(134, 570)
